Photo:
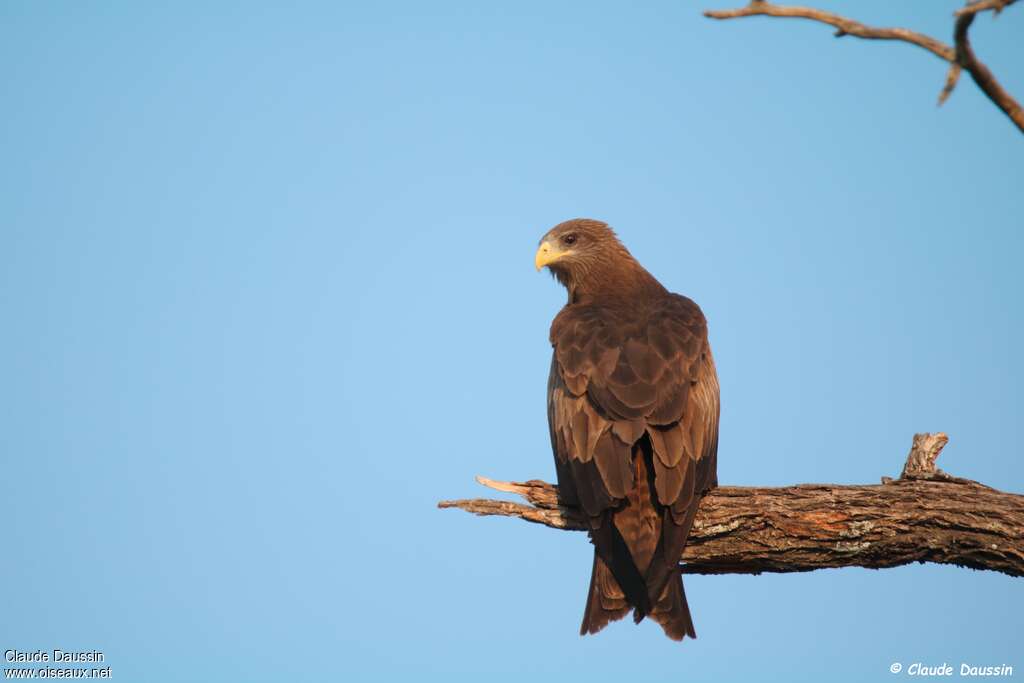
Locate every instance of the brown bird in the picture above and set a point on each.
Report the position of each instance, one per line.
(633, 413)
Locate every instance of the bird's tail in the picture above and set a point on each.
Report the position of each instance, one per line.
(672, 612)
(606, 602)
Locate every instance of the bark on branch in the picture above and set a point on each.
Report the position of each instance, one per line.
(924, 516)
(960, 56)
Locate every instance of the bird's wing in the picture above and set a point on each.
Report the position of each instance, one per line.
(617, 374)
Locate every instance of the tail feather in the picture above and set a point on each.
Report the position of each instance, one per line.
(672, 612)
(606, 601)
(636, 559)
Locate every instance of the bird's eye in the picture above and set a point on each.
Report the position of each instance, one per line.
(569, 240)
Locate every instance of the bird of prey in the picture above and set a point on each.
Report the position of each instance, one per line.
(633, 413)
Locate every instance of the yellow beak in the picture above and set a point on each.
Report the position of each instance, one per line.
(546, 254)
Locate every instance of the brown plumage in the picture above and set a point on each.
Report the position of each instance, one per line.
(633, 413)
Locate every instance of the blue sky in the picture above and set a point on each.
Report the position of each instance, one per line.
(268, 294)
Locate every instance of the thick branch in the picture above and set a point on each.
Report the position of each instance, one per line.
(925, 516)
(959, 57)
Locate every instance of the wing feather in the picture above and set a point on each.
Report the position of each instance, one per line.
(613, 457)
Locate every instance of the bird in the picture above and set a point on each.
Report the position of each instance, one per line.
(633, 413)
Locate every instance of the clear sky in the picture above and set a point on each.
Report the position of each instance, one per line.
(267, 291)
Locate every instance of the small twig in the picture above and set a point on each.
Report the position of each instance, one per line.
(952, 78)
(920, 463)
(923, 454)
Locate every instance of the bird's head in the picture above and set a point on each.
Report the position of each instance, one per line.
(589, 260)
(585, 255)
(573, 248)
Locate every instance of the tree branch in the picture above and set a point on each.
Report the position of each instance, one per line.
(996, 6)
(984, 79)
(924, 516)
(959, 57)
(843, 25)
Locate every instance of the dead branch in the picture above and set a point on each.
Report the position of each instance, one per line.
(960, 56)
(984, 78)
(924, 516)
